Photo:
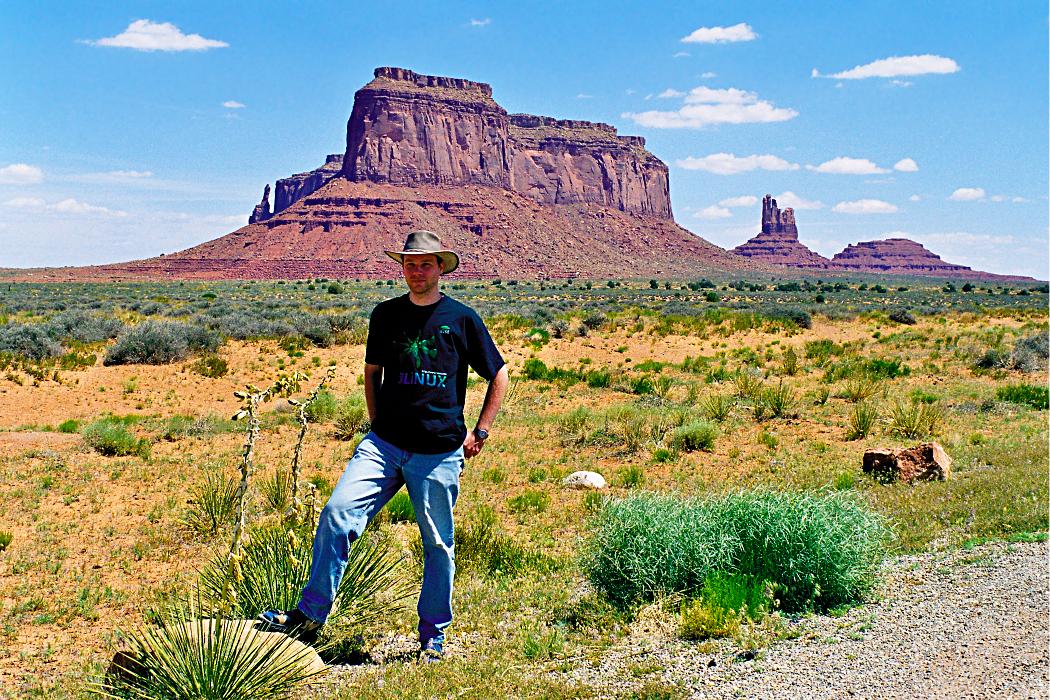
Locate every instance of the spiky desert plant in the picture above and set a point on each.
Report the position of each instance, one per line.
(862, 420)
(210, 659)
(304, 423)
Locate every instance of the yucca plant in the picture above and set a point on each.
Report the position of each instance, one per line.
(915, 420)
(717, 407)
(213, 504)
(277, 491)
(748, 384)
(862, 420)
(779, 401)
(210, 659)
(859, 389)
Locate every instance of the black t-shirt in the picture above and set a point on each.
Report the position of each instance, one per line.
(425, 352)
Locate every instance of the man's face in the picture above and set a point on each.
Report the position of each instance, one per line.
(421, 272)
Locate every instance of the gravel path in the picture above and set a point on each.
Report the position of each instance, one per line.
(962, 624)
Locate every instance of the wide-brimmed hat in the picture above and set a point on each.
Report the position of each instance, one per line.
(426, 243)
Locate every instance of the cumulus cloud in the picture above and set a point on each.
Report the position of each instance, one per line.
(915, 198)
(705, 106)
(730, 164)
(967, 194)
(865, 206)
(671, 92)
(233, 104)
(848, 166)
(20, 174)
(906, 165)
(790, 199)
(481, 22)
(746, 200)
(721, 35)
(78, 208)
(713, 212)
(145, 35)
(896, 66)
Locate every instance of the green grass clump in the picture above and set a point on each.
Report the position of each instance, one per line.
(697, 435)
(323, 408)
(5, 539)
(1025, 395)
(725, 601)
(110, 437)
(69, 426)
(481, 546)
(212, 504)
(351, 418)
(529, 501)
(915, 420)
(400, 509)
(861, 420)
(818, 551)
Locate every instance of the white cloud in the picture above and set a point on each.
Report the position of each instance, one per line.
(708, 75)
(865, 206)
(145, 35)
(21, 174)
(705, 106)
(998, 198)
(233, 104)
(967, 194)
(583, 96)
(25, 203)
(681, 54)
(901, 83)
(721, 35)
(730, 164)
(906, 165)
(78, 208)
(671, 92)
(1018, 200)
(746, 200)
(848, 166)
(713, 212)
(915, 198)
(896, 66)
(481, 22)
(790, 199)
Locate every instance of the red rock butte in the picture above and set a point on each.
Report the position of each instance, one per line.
(517, 195)
(778, 242)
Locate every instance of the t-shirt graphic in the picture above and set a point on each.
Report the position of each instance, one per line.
(425, 353)
(417, 351)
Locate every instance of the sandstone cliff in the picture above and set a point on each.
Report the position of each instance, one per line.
(899, 256)
(778, 242)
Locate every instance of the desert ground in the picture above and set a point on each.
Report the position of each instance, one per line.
(112, 471)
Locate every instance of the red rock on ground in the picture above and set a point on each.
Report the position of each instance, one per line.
(925, 462)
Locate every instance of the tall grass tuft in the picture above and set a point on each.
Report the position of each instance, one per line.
(818, 551)
(212, 504)
(206, 658)
(861, 420)
(717, 407)
(697, 435)
(915, 420)
(482, 547)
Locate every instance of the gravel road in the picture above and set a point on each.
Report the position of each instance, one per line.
(961, 624)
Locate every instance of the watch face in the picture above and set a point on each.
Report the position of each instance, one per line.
(481, 434)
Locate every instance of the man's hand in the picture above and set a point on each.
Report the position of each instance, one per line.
(472, 446)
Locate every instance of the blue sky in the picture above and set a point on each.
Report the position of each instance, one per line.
(131, 129)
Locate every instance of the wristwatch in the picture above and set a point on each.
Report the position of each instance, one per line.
(481, 434)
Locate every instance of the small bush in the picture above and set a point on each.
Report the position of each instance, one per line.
(717, 407)
(399, 509)
(862, 420)
(82, 327)
(818, 551)
(778, 401)
(859, 389)
(697, 435)
(481, 546)
(323, 408)
(111, 438)
(159, 342)
(5, 539)
(529, 502)
(69, 426)
(212, 504)
(632, 476)
(915, 420)
(30, 341)
(211, 366)
(351, 418)
(1025, 395)
(903, 316)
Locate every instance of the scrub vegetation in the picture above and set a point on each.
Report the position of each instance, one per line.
(728, 416)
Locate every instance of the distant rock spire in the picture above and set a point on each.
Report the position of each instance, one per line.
(262, 210)
(776, 221)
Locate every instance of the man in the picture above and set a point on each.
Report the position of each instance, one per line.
(416, 358)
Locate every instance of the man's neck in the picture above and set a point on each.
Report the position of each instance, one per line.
(432, 297)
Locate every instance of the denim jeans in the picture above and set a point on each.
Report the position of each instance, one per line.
(372, 477)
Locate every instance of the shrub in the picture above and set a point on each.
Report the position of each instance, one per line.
(323, 408)
(598, 379)
(82, 327)
(717, 407)
(529, 502)
(5, 539)
(159, 342)
(777, 401)
(862, 420)
(69, 426)
(111, 438)
(480, 546)
(632, 476)
(818, 551)
(858, 389)
(697, 435)
(799, 317)
(399, 509)
(212, 504)
(211, 366)
(915, 420)
(209, 658)
(903, 316)
(30, 341)
(276, 565)
(748, 385)
(1030, 353)
(1024, 394)
(351, 418)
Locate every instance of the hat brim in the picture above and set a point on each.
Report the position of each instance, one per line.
(449, 260)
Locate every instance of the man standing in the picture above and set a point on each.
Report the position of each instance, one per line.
(416, 358)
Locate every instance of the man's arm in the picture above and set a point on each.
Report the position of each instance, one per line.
(493, 400)
(373, 380)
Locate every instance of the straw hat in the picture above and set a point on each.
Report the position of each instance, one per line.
(426, 243)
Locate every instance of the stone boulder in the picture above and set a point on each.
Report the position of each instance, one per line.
(925, 462)
(584, 480)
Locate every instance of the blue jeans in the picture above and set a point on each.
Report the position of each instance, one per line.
(372, 477)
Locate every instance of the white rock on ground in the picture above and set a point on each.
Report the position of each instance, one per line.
(584, 480)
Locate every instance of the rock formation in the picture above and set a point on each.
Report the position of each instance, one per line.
(778, 242)
(925, 462)
(899, 256)
(262, 209)
(519, 196)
